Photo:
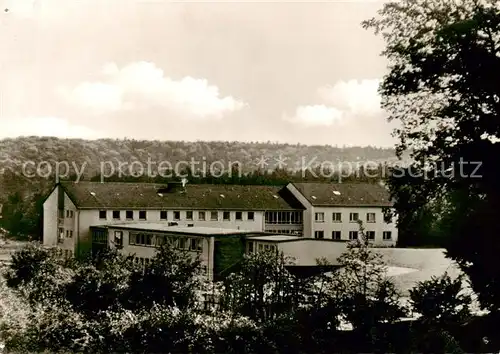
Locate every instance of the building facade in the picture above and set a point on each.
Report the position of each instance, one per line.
(322, 211)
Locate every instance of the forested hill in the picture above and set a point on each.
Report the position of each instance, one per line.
(95, 153)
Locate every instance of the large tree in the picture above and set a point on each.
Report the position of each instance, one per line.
(443, 87)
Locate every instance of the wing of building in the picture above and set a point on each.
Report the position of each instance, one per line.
(79, 217)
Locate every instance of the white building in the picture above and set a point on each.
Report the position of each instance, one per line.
(321, 211)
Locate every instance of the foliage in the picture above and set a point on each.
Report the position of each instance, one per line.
(366, 296)
(171, 279)
(441, 300)
(442, 87)
(261, 288)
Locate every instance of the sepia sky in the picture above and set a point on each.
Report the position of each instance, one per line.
(250, 71)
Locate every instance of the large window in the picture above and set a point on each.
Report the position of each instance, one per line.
(370, 235)
(189, 215)
(353, 235)
(319, 234)
(226, 216)
(142, 214)
(177, 215)
(102, 214)
(201, 215)
(387, 235)
(319, 217)
(118, 238)
(239, 215)
(353, 217)
(283, 217)
(116, 214)
(337, 217)
(370, 217)
(336, 235)
(214, 216)
(140, 239)
(250, 215)
(163, 215)
(129, 214)
(196, 244)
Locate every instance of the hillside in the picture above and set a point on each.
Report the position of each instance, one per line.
(92, 154)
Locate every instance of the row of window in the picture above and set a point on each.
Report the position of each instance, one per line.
(353, 235)
(152, 240)
(259, 247)
(283, 217)
(145, 261)
(337, 217)
(66, 214)
(189, 215)
(68, 234)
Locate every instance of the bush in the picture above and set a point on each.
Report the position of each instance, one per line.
(441, 301)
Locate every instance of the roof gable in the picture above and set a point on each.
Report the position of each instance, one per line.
(345, 194)
(114, 195)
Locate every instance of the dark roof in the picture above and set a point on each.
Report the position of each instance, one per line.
(109, 195)
(345, 194)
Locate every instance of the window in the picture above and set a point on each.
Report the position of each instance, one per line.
(142, 214)
(183, 243)
(67, 233)
(336, 235)
(160, 240)
(214, 216)
(319, 217)
(353, 217)
(196, 244)
(266, 247)
(387, 235)
(370, 217)
(189, 215)
(250, 215)
(102, 214)
(239, 215)
(261, 247)
(319, 234)
(116, 214)
(177, 215)
(201, 215)
(141, 239)
(118, 238)
(129, 214)
(337, 217)
(272, 248)
(163, 215)
(226, 216)
(69, 213)
(370, 235)
(70, 233)
(250, 247)
(353, 235)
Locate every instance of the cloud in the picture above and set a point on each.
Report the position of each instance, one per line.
(316, 115)
(44, 126)
(142, 85)
(353, 96)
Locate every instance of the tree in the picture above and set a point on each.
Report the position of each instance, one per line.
(443, 86)
(367, 297)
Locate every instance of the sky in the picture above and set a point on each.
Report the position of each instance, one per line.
(291, 72)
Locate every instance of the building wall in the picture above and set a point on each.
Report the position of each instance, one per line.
(90, 217)
(51, 222)
(306, 251)
(346, 225)
(308, 221)
(206, 254)
(50, 219)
